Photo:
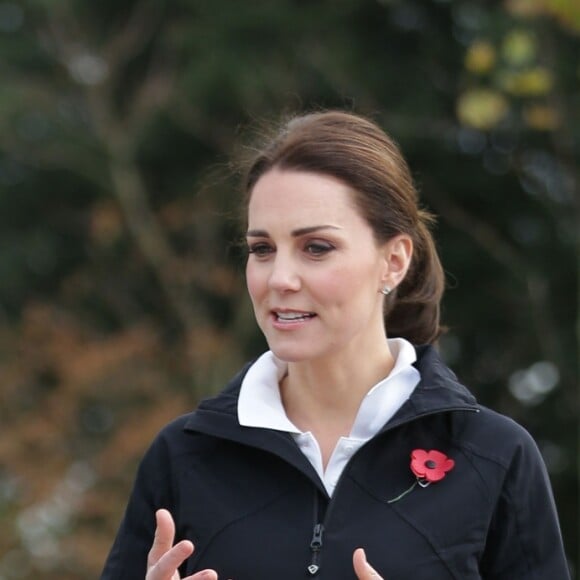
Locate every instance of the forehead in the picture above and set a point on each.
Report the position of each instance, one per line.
(300, 195)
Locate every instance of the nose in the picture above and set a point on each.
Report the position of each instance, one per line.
(284, 276)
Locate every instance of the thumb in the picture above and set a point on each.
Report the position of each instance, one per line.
(362, 569)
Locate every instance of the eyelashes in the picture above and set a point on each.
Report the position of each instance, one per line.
(318, 249)
(260, 249)
(314, 249)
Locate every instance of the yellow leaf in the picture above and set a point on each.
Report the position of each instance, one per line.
(519, 47)
(480, 57)
(481, 108)
(533, 82)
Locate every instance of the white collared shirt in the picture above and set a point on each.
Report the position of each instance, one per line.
(260, 406)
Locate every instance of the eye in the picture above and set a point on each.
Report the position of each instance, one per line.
(318, 249)
(260, 249)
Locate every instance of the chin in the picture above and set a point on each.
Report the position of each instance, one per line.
(288, 356)
(294, 354)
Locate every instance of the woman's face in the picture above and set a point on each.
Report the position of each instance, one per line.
(314, 269)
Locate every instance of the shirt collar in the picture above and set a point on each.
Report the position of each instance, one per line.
(260, 404)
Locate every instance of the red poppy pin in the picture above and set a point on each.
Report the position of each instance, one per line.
(428, 467)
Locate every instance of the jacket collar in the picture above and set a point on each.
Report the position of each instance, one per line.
(218, 417)
(439, 390)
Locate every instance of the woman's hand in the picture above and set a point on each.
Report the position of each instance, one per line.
(164, 558)
(363, 570)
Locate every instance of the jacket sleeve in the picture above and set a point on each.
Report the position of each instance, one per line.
(524, 540)
(127, 559)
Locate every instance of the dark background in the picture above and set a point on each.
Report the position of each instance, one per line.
(122, 298)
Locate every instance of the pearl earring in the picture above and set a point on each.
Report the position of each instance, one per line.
(385, 290)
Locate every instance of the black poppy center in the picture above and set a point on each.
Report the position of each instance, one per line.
(430, 464)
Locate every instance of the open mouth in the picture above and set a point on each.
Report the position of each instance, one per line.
(293, 316)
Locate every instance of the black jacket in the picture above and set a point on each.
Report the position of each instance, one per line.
(256, 510)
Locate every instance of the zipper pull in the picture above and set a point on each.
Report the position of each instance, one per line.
(315, 547)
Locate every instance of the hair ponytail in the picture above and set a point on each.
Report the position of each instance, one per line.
(413, 310)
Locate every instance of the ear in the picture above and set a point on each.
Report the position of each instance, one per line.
(397, 253)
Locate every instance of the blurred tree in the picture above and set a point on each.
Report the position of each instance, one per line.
(122, 300)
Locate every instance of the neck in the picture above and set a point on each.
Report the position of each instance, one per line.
(327, 392)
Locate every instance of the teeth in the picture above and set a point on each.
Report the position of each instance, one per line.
(292, 316)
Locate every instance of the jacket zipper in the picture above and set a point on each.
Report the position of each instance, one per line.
(317, 533)
(315, 547)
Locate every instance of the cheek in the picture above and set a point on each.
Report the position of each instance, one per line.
(352, 290)
(254, 282)
(343, 283)
(331, 285)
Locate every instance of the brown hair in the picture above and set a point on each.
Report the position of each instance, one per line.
(359, 153)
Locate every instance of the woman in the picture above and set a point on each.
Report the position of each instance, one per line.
(339, 443)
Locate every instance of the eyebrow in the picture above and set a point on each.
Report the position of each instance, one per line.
(295, 233)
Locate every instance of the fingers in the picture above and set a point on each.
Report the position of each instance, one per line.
(164, 559)
(362, 569)
(164, 536)
(165, 568)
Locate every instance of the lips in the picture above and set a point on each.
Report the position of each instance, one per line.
(292, 316)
